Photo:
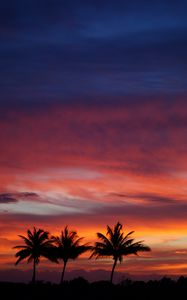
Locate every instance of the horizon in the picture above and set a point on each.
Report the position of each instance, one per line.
(48, 275)
(93, 127)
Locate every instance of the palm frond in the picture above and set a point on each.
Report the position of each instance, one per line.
(104, 239)
(126, 242)
(68, 245)
(116, 245)
(26, 240)
(110, 232)
(37, 244)
(22, 254)
(21, 247)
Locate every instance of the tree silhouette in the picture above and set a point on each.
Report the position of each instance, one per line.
(37, 244)
(68, 247)
(116, 245)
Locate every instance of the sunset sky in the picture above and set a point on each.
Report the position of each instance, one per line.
(93, 126)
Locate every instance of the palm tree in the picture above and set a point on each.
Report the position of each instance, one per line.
(68, 247)
(116, 245)
(37, 244)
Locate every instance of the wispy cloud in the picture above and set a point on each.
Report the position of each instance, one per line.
(152, 199)
(15, 197)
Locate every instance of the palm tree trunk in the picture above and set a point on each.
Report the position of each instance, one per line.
(63, 271)
(113, 268)
(34, 272)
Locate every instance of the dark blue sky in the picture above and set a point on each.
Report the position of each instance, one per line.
(57, 51)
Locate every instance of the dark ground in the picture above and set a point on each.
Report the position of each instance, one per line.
(80, 289)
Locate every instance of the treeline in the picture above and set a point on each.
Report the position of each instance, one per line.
(80, 288)
(68, 245)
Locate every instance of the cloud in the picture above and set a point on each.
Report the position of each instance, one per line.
(152, 212)
(141, 137)
(47, 203)
(153, 199)
(146, 213)
(16, 197)
(7, 198)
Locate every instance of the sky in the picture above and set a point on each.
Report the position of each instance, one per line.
(93, 126)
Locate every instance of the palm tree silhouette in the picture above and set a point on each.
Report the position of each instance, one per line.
(68, 247)
(37, 244)
(116, 245)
